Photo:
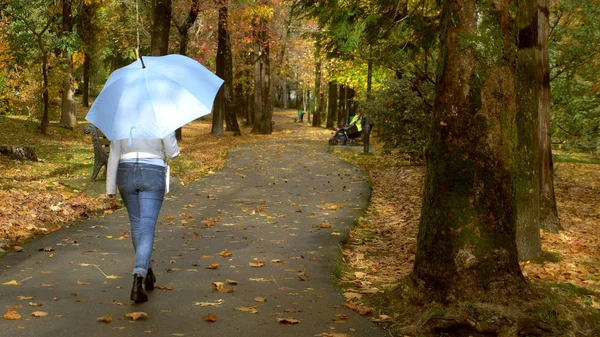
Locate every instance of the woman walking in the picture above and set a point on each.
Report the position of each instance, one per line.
(137, 167)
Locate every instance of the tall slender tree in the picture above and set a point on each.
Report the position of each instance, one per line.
(548, 211)
(68, 118)
(527, 154)
(263, 89)
(225, 103)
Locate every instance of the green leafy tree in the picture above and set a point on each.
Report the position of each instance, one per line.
(575, 74)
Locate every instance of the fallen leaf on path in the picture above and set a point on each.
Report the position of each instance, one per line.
(25, 298)
(210, 318)
(137, 316)
(260, 299)
(252, 310)
(334, 334)
(261, 279)
(104, 319)
(288, 320)
(11, 283)
(225, 253)
(46, 249)
(113, 277)
(209, 304)
(39, 314)
(164, 287)
(231, 282)
(220, 287)
(213, 266)
(325, 225)
(11, 315)
(81, 283)
(303, 277)
(257, 263)
(32, 304)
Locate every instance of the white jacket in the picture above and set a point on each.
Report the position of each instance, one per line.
(140, 148)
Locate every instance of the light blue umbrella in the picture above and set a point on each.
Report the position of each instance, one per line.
(154, 96)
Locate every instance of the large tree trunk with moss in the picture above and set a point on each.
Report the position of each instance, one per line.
(548, 211)
(466, 248)
(527, 153)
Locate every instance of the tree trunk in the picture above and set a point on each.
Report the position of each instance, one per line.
(45, 94)
(68, 118)
(22, 153)
(184, 40)
(86, 33)
(466, 246)
(332, 105)
(263, 94)
(317, 116)
(343, 112)
(225, 71)
(527, 149)
(219, 108)
(159, 44)
(548, 211)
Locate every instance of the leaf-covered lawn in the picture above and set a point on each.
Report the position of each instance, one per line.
(382, 247)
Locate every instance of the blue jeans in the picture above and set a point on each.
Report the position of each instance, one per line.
(142, 187)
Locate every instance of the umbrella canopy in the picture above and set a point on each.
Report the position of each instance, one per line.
(154, 96)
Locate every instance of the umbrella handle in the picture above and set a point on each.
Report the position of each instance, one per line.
(143, 65)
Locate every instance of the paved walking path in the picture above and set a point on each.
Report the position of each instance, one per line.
(280, 208)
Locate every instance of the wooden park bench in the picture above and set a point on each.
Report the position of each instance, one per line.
(101, 149)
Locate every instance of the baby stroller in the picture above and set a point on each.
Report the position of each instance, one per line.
(347, 134)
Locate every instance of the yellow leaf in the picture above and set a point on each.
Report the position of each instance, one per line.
(39, 314)
(112, 277)
(225, 253)
(11, 283)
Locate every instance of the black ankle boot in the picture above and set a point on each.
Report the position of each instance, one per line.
(138, 295)
(150, 280)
